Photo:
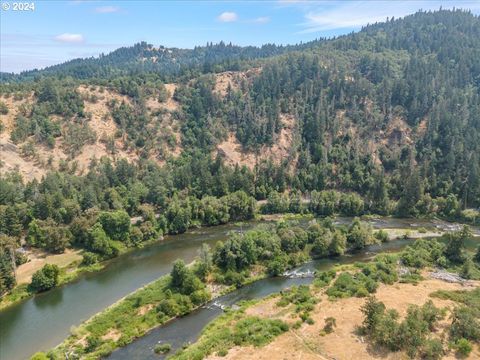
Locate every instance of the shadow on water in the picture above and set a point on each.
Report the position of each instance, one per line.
(43, 300)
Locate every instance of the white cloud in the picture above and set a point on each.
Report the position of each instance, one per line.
(354, 14)
(261, 20)
(107, 9)
(227, 16)
(70, 38)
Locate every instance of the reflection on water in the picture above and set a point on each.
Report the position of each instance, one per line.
(44, 321)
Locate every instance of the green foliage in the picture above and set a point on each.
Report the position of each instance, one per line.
(330, 324)
(277, 266)
(432, 349)
(257, 331)
(359, 235)
(162, 348)
(3, 108)
(99, 242)
(45, 279)
(7, 258)
(338, 244)
(381, 236)
(48, 235)
(183, 279)
(89, 258)
(465, 324)
(116, 224)
(411, 334)
(292, 239)
(347, 285)
(276, 203)
(455, 250)
(361, 284)
(39, 356)
(372, 310)
(424, 253)
(232, 329)
(465, 318)
(463, 347)
(324, 278)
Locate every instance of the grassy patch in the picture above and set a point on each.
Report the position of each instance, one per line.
(129, 318)
(303, 299)
(365, 281)
(19, 293)
(233, 328)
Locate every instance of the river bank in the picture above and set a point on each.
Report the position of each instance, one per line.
(142, 317)
(59, 309)
(71, 267)
(135, 315)
(22, 331)
(309, 340)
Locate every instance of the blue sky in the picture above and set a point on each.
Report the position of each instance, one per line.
(57, 31)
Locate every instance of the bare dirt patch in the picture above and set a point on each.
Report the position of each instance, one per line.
(171, 104)
(233, 79)
(227, 79)
(13, 106)
(96, 104)
(234, 154)
(343, 343)
(113, 334)
(398, 132)
(11, 160)
(145, 309)
(39, 258)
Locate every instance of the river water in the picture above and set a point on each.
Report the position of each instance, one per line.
(187, 329)
(42, 322)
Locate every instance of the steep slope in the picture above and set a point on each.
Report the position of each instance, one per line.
(396, 103)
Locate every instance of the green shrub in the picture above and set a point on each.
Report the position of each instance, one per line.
(162, 348)
(309, 321)
(330, 324)
(423, 253)
(257, 331)
(465, 324)
(381, 236)
(463, 347)
(384, 328)
(45, 279)
(432, 349)
(168, 307)
(89, 258)
(39, 356)
(92, 343)
(222, 352)
(3, 108)
(277, 266)
(324, 278)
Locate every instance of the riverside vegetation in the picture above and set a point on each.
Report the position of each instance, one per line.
(242, 258)
(367, 123)
(417, 334)
(376, 82)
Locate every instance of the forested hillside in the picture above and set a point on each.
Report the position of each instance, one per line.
(388, 117)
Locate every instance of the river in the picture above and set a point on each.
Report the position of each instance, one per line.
(42, 322)
(187, 329)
